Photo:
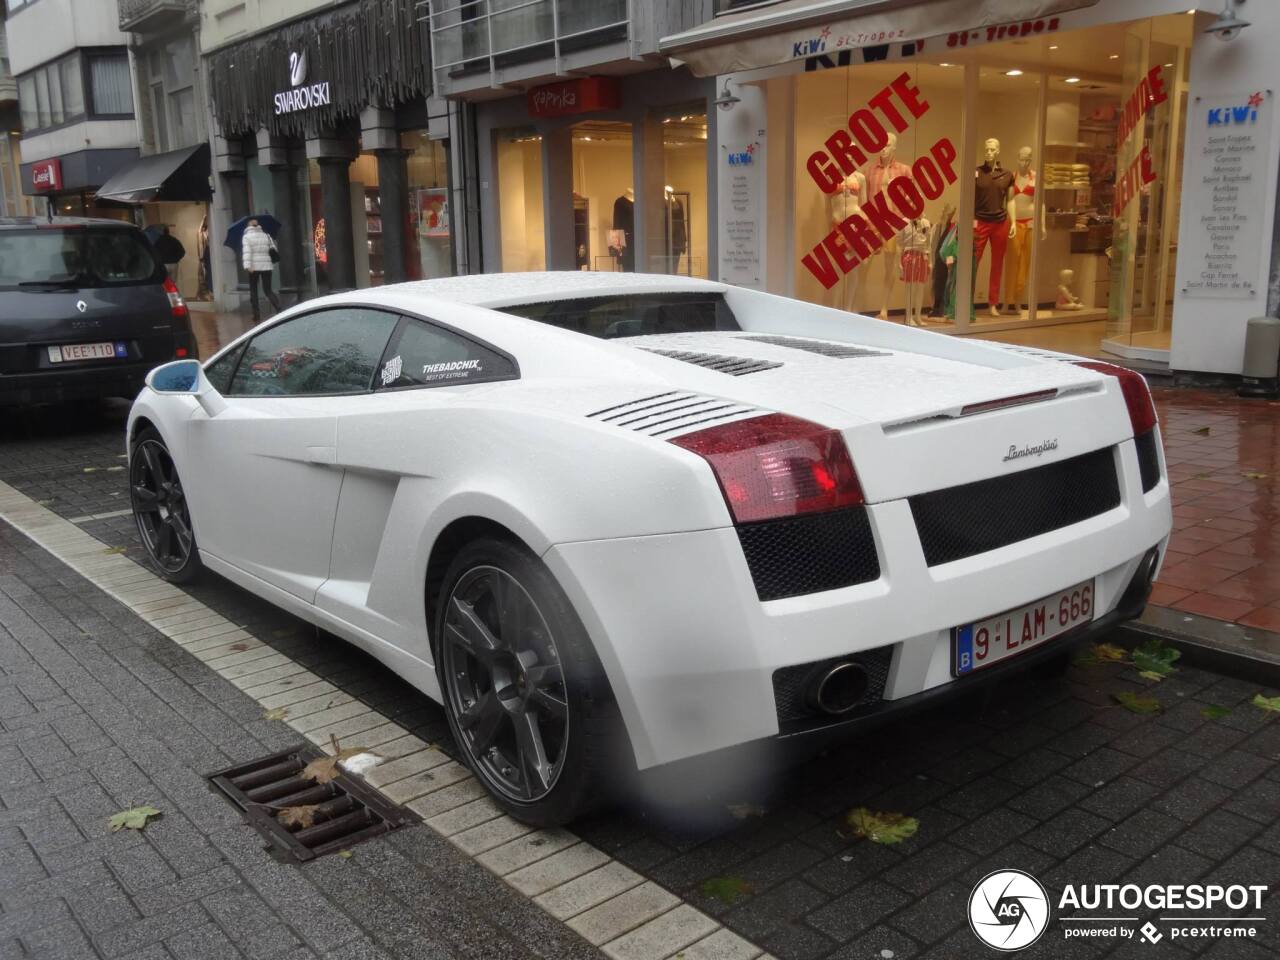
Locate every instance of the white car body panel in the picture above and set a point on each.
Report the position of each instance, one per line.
(330, 506)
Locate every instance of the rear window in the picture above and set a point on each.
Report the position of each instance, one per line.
(636, 315)
(75, 257)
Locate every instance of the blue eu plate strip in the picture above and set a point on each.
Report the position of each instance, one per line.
(964, 649)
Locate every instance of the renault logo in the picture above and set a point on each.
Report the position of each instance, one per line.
(81, 306)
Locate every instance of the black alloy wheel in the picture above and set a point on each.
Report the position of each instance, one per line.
(505, 684)
(160, 509)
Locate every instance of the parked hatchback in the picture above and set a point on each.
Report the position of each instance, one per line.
(86, 309)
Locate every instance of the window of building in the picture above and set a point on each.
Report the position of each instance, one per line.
(680, 245)
(170, 78)
(54, 94)
(431, 213)
(519, 155)
(16, 5)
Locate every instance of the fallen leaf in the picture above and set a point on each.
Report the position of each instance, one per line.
(239, 647)
(1201, 431)
(345, 854)
(115, 550)
(324, 769)
(1154, 657)
(740, 811)
(1214, 712)
(1102, 653)
(44, 503)
(114, 469)
(886, 828)
(1254, 476)
(135, 818)
(1150, 675)
(1136, 703)
(276, 713)
(91, 469)
(1266, 703)
(1202, 476)
(728, 890)
(301, 817)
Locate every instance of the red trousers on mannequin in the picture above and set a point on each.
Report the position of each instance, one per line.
(997, 231)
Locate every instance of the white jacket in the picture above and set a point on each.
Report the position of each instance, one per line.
(254, 249)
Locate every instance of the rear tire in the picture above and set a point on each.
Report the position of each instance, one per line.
(160, 509)
(526, 697)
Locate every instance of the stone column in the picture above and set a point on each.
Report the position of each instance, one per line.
(231, 202)
(378, 136)
(273, 153)
(557, 198)
(334, 156)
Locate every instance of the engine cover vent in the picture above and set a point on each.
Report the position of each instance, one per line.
(734, 366)
(826, 348)
(676, 411)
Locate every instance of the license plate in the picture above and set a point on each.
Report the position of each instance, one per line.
(980, 644)
(87, 351)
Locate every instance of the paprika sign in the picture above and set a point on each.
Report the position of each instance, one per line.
(861, 235)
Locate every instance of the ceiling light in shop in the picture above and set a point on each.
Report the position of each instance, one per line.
(1015, 72)
(1053, 46)
(1114, 56)
(946, 64)
(1071, 80)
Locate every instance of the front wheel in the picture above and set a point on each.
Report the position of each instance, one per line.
(526, 698)
(160, 509)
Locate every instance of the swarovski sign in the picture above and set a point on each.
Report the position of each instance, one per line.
(301, 97)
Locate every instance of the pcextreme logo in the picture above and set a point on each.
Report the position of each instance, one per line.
(1009, 910)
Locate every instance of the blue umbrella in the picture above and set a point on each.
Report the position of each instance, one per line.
(153, 232)
(235, 232)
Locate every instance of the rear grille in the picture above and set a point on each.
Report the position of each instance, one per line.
(976, 517)
(790, 685)
(1148, 459)
(806, 554)
(344, 811)
(825, 348)
(734, 366)
(665, 414)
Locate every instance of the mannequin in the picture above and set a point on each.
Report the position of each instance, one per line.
(994, 218)
(845, 202)
(622, 240)
(940, 269)
(1067, 300)
(675, 224)
(1024, 205)
(880, 174)
(913, 240)
(948, 251)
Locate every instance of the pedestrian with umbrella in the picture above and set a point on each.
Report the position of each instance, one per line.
(170, 250)
(258, 254)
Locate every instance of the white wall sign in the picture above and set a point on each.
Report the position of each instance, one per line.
(1227, 156)
(741, 236)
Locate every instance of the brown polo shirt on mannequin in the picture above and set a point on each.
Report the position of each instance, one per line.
(991, 193)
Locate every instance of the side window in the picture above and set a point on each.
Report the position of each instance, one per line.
(428, 356)
(326, 352)
(218, 373)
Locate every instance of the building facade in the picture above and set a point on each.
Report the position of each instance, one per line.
(582, 148)
(1097, 178)
(321, 117)
(168, 187)
(76, 101)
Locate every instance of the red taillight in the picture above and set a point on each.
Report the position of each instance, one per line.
(176, 304)
(180, 352)
(1142, 412)
(777, 466)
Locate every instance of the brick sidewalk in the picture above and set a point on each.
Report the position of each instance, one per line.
(1224, 463)
(99, 712)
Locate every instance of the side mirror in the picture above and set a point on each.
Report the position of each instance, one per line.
(187, 377)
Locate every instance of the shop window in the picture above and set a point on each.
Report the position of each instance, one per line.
(604, 198)
(680, 245)
(912, 276)
(520, 205)
(431, 214)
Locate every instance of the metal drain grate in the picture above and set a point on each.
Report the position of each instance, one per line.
(346, 811)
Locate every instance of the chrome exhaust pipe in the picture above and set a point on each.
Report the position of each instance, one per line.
(838, 689)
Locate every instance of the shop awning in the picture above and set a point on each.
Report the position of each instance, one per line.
(176, 175)
(796, 29)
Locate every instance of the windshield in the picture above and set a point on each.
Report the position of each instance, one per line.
(636, 315)
(75, 257)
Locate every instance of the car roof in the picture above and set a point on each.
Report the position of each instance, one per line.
(495, 290)
(26, 223)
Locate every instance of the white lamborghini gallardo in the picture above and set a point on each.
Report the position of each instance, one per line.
(574, 506)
